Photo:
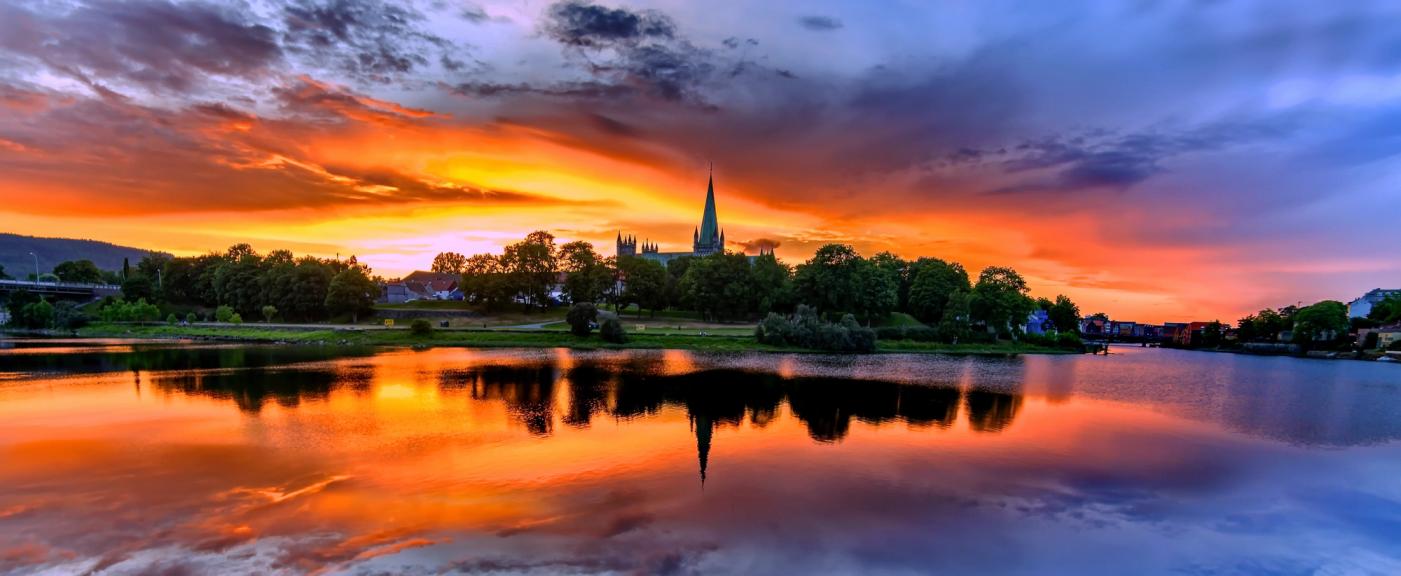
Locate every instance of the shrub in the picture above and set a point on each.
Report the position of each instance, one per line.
(190, 318)
(1395, 346)
(224, 314)
(236, 318)
(420, 327)
(35, 315)
(805, 329)
(68, 315)
(171, 319)
(611, 329)
(581, 317)
(119, 310)
(269, 311)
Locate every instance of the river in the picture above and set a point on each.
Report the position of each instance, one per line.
(124, 457)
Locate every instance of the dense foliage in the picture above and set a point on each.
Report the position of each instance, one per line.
(806, 329)
(581, 318)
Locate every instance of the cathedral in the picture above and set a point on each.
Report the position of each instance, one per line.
(708, 239)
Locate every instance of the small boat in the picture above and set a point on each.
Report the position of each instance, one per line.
(1387, 359)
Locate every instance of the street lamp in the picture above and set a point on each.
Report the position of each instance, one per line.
(36, 267)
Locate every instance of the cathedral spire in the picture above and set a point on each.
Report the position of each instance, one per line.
(710, 224)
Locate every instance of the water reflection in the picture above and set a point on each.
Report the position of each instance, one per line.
(211, 459)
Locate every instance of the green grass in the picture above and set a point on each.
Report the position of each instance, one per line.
(516, 339)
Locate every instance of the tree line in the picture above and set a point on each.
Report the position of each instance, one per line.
(274, 285)
(729, 286)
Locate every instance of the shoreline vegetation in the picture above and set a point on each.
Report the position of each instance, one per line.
(506, 338)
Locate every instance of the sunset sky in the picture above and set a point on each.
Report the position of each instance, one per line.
(1156, 160)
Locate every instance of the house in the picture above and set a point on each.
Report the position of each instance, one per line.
(1172, 331)
(1125, 329)
(1385, 336)
(1092, 326)
(1192, 333)
(1039, 322)
(1362, 306)
(433, 285)
(395, 293)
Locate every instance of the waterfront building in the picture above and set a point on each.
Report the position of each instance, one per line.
(1362, 306)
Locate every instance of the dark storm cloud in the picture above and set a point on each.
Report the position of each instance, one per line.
(638, 50)
(156, 44)
(580, 23)
(366, 39)
(1099, 160)
(820, 23)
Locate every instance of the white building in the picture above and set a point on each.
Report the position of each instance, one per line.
(1362, 306)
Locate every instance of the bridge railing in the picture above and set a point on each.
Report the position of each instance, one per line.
(57, 285)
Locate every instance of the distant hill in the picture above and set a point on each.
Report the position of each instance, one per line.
(15, 249)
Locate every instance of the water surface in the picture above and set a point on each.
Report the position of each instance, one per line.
(131, 458)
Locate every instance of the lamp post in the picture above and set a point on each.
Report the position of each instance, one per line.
(36, 267)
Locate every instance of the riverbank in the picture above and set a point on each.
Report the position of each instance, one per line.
(312, 334)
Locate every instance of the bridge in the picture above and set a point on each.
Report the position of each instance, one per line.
(66, 290)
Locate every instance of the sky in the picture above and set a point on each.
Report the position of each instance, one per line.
(1157, 160)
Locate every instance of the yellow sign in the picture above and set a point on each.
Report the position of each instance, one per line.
(388, 322)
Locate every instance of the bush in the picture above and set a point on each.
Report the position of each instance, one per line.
(1395, 346)
(68, 315)
(611, 329)
(119, 310)
(420, 327)
(35, 315)
(805, 329)
(224, 314)
(581, 317)
(269, 312)
(236, 318)
(171, 319)
(190, 318)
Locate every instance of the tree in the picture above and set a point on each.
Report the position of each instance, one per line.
(718, 286)
(581, 317)
(78, 271)
(530, 266)
(126, 268)
(1064, 314)
(36, 315)
(934, 281)
(956, 319)
(643, 284)
(773, 284)
(138, 287)
(878, 292)
(1324, 320)
(269, 311)
(999, 299)
(449, 263)
(900, 270)
(484, 281)
(351, 292)
(1388, 311)
(588, 275)
(3, 275)
(830, 280)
